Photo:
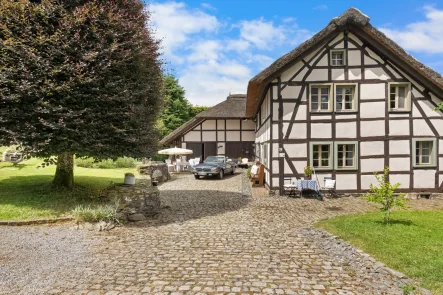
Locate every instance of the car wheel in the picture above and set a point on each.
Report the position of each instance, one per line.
(220, 175)
(197, 177)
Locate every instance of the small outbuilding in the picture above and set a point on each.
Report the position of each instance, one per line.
(220, 130)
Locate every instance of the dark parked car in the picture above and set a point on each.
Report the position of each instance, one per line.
(214, 166)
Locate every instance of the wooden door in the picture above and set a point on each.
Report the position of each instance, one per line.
(209, 149)
(247, 150)
(232, 150)
(197, 148)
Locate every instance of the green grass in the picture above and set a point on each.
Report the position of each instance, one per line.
(26, 191)
(412, 244)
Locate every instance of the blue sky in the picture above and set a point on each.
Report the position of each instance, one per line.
(215, 47)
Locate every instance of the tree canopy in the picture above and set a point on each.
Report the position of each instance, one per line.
(79, 77)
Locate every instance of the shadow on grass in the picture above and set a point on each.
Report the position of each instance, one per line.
(397, 221)
(34, 196)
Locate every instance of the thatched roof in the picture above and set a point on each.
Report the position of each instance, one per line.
(352, 18)
(233, 107)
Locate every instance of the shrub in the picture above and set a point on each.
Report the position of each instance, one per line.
(84, 162)
(125, 162)
(385, 195)
(96, 213)
(248, 172)
(105, 164)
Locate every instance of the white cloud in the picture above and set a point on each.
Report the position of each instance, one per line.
(208, 6)
(175, 23)
(205, 50)
(425, 36)
(321, 7)
(262, 33)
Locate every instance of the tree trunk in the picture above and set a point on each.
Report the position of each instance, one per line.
(64, 174)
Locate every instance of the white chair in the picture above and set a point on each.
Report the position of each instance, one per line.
(245, 161)
(197, 161)
(171, 168)
(191, 162)
(329, 185)
(291, 187)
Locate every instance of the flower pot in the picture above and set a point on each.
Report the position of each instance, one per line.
(307, 176)
(129, 179)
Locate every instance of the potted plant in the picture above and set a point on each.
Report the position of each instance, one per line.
(129, 178)
(308, 172)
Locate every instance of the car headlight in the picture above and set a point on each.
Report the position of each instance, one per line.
(214, 170)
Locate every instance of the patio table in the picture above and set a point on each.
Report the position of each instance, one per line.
(307, 184)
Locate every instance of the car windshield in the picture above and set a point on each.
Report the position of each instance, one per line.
(214, 159)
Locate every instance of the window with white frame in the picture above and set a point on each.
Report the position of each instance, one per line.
(424, 152)
(337, 57)
(346, 97)
(265, 154)
(346, 155)
(321, 155)
(321, 98)
(399, 96)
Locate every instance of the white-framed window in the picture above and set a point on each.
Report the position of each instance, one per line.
(346, 97)
(265, 154)
(321, 155)
(346, 155)
(338, 57)
(399, 96)
(320, 98)
(424, 152)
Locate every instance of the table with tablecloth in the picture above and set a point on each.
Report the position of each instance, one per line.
(304, 184)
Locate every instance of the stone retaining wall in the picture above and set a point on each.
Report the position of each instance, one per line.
(156, 170)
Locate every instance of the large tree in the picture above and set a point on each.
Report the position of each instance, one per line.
(78, 77)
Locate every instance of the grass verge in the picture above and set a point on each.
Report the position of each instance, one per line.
(412, 243)
(26, 191)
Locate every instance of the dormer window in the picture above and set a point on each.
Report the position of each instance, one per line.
(338, 58)
(399, 97)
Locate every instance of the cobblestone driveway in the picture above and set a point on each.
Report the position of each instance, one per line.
(214, 238)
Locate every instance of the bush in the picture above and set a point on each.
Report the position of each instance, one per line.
(105, 164)
(248, 172)
(96, 213)
(125, 162)
(84, 162)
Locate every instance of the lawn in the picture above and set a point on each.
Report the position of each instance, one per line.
(26, 191)
(412, 244)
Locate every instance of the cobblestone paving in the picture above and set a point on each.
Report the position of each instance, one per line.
(212, 238)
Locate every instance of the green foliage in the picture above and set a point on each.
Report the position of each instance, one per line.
(248, 172)
(408, 289)
(96, 213)
(439, 107)
(308, 170)
(195, 110)
(384, 194)
(124, 162)
(84, 79)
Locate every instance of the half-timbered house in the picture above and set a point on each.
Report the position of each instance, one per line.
(220, 130)
(349, 102)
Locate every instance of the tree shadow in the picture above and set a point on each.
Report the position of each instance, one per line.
(179, 206)
(397, 221)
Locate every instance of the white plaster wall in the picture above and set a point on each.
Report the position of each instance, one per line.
(248, 125)
(372, 110)
(275, 167)
(372, 128)
(371, 165)
(428, 108)
(399, 127)
(420, 127)
(367, 180)
(300, 76)
(232, 135)
(354, 74)
(288, 109)
(221, 135)
(337, 38)
(286, 76)
(275, 111)
(399, 147)
(403, 179)
(370, 148)
(286, 167)
(407, 77)
(321, 130)
(321, 177)
(247, 135)
(355, 38)
(416, 93)
(192, 136)
(296, 149)
(440, 148)
(372, 91)
(424, 178)
(221, 148)
(232, 124)
(369, 61)
(311, 55)
(300, 166)
(376, 73)
(436, 100)
(198, 127)
(285, 128)
(209, 136)
(291, 91)
(323, 61)
(346, 130)
(346, 116)
(337, 74)
(275, 150)
(275, 131)
(400, 115)
(298, 131)
(318, 75)
(374, 56)
(221, 124)
(346, 181)
(301, 113)
(315, 116)
(275, 182)
(209, 125)
(399, 164)
(183, 145)
(354, 57)
(340, 45)
(274, 90)
(394, 72)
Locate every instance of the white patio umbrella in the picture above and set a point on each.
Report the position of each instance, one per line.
(177, 152)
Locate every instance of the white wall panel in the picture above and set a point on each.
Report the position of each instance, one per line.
(354, 57)
(288, 109)
(221, 124)
(370, 148)
(295, 150)
(233, 124)
(399, 147)
(354, 74)
(321, 130)
(221, 135)
(337, 74)
(318, 75)
(399, 164)
(346, 181)
(376, 73)
(248, 125)
(193, 136)
(247, 135)
(291, 91)
(372, 128)
(209, 125)
(286, 76)
(421, 128)
(208, 136)
(424, 178)
(232, 135)
(372, 91)
(346, 130)
(403, 179)
(298, 130)
(372, 110)
(399, 127)
(367, 180)
(371, 165)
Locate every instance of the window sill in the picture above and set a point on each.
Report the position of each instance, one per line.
(346, 112)
(399, 111)
(425, 167)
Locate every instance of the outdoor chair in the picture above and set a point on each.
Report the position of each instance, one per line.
(259, 178)
(197, 161)
(171, 167)
(191, 162)
(329, 186)
(244, 161)
(291, 187)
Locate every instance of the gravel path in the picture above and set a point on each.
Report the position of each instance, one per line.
(212, 237)
(32, 256)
